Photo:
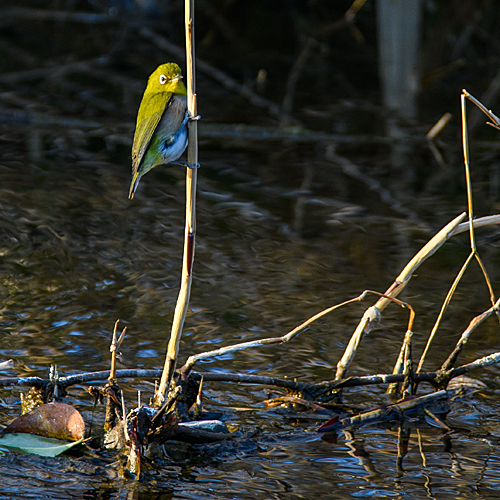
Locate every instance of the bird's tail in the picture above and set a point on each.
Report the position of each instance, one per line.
(133, 185)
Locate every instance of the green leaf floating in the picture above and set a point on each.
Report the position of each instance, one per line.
(39, 445)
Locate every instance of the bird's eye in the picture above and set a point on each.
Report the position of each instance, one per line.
(163, 79)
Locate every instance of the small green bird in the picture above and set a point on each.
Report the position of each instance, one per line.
(161, 131)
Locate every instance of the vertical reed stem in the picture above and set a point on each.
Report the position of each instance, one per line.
(465, 146)
(190, 230)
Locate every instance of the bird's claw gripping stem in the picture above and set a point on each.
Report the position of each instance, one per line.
(185, 164)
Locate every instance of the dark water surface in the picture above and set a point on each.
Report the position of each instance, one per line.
(76, 255)
(285, 229)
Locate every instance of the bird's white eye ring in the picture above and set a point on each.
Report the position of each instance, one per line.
(163, 79)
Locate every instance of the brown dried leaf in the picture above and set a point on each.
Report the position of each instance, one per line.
(55, 420)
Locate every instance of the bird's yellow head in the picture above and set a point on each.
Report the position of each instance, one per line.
(166, 78)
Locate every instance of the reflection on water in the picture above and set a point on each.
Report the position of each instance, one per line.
(76, 255)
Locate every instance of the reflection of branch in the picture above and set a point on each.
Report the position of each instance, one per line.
(208, 130)
(148, 34)
(403, 440)
(299, 210)
(432, 134)
(22, 118)
(57, 15)
(352, 170)
(347, 20)
(293, 134)
(357, 450)
(421, 449)
(293, 77)
(53, 72)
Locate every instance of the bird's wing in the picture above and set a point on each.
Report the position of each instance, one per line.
(177, 117)
(151, 110)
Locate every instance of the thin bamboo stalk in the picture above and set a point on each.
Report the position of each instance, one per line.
(190, 229)
(465, 145)
(470, 209)
(446, 302)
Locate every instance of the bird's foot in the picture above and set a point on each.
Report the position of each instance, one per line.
(185, 164)
(194, 118)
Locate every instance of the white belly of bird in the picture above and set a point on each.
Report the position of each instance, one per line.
(171, 150)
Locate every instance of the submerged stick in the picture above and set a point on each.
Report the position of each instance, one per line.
(241, 378)
(190, 230)
(293, 77)
(386, 412)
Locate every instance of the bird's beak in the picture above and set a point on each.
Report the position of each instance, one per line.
(175, 78)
